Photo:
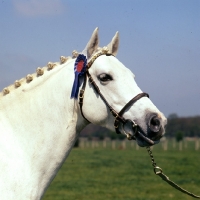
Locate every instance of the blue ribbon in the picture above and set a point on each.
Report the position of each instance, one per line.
(79, 70)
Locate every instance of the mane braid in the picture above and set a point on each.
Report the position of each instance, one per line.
(39, 72)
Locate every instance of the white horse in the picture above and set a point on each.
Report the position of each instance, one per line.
(39, 122)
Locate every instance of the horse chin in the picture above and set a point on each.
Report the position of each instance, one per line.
(140, 136)
(143, 140)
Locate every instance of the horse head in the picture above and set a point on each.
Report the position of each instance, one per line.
(112, 98)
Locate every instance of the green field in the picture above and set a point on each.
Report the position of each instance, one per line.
(125, 174)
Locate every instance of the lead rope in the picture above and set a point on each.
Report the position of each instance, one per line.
(158, 171)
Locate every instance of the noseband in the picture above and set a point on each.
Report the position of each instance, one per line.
(118, 116)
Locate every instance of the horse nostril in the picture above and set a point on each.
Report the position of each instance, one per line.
(154, 124)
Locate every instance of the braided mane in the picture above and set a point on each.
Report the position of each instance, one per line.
(39, 72)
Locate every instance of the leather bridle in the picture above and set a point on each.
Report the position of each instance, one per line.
(118, 116)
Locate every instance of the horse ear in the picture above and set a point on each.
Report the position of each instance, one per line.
(114, 44)
(92, 45)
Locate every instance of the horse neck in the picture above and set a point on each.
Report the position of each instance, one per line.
(41, 122)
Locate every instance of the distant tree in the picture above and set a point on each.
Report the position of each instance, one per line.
(113, 136)
(76, 143)
(190, 126)
(173, 116)
(121, 136)
(179, 136)
(101, 136)
(90, 138)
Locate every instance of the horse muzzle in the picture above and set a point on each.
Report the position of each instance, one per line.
(153, 134)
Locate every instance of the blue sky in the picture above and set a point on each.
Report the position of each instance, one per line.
(159, 42)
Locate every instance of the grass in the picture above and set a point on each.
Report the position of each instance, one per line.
(107, 174)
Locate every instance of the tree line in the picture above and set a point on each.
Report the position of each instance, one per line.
(188, 126)
(178, 127)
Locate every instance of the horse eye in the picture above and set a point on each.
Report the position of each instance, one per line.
(105, 77)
